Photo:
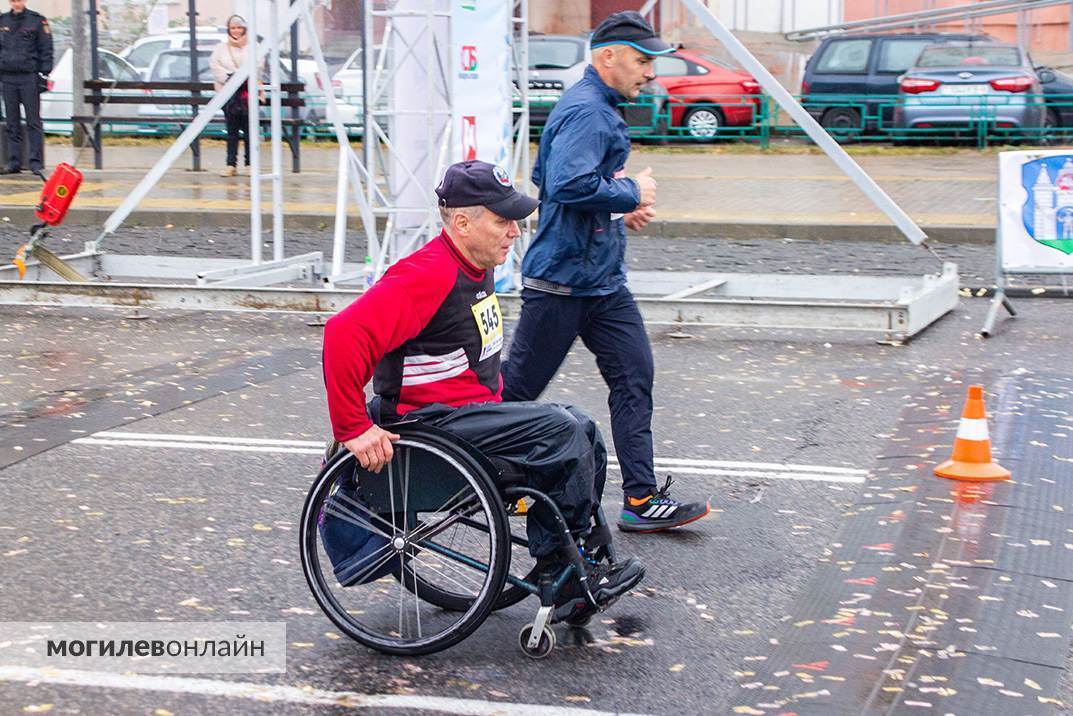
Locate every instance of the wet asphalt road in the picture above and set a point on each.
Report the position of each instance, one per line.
(107, 533)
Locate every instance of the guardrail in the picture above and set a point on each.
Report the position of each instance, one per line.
(979, 120)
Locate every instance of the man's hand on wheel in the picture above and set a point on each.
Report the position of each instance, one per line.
(639, 218)
(373, 448)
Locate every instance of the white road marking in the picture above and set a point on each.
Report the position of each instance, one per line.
(686, 466)
(211, 439)
(226, 447)
(759, 474)
(683, 462)
(288, 694)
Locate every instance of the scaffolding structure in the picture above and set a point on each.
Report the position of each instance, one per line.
(406, 147)
(407, 104)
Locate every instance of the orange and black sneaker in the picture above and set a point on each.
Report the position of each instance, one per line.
(659, 512)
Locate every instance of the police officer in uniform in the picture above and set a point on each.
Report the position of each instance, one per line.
(25, 60)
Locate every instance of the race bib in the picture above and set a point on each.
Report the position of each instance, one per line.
(489, 325)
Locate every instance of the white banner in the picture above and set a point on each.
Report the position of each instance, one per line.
(481, 93)
(481, 86)
(1036, 209)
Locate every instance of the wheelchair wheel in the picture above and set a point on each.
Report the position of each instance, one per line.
(446, 596)
(451, 600)
(431, 516)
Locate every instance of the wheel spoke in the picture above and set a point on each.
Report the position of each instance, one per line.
(444, 560)
(353, 518)
(457, 570)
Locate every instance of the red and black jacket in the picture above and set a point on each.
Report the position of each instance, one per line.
(431, 327)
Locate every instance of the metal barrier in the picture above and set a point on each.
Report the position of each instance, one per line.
(693, 118)
(980, 119)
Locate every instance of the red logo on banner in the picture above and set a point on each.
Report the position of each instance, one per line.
(469, 58)
(469, 138)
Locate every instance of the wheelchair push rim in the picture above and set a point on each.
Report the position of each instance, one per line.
(415, 512)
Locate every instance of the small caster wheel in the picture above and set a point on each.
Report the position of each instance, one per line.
(543, 647)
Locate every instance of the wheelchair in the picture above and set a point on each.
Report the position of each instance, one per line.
(412, 560)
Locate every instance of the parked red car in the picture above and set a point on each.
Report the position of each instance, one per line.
(706, 93)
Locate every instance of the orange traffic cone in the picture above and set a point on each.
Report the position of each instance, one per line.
(972, 448)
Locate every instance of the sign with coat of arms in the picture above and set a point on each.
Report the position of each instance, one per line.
(1036, 209)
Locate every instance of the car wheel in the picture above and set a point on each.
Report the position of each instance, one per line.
(1052, 128)
(703, 122)
(661, 130)
(843, 124)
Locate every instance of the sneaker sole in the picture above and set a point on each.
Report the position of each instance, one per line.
(579, 609)
(647, 529)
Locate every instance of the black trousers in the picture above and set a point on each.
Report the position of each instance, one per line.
(611, 327)
(557, 447)
(238, 124)
(23, 91)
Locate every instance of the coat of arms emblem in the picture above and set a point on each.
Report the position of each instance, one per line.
(1048, 211)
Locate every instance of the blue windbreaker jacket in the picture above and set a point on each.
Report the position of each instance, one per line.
(580, 245)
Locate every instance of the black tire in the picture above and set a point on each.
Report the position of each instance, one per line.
(703, 123)
(476, 499)
(1052, 128)
(544, 646)
(662, 129)
(843, 124)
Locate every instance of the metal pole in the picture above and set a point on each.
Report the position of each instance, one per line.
(191, 13)
(339, 235)
(368, 137)
(429, 40)
(277, 134)
(927, 17)
(95, 70)
(296, 153)
(253, 134)
(348, 167)
(523, 129)
(837, 154)
(999, 299)
(78, 70)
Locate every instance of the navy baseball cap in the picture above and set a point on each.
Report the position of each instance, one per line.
(477, 183)
(629, 28)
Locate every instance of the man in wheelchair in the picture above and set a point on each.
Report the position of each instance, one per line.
(429, 333)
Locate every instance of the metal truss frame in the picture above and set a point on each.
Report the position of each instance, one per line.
(927, 18)
(896, 307)
(256, 271)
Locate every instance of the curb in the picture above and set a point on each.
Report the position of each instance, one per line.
(657, 229)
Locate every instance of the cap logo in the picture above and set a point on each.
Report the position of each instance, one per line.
(501, 175)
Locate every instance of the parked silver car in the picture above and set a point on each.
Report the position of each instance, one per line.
(557, 62)
(958, 85)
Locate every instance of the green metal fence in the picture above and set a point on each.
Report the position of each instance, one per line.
(978, 120)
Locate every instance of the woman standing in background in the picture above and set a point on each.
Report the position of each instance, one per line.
(226, 58)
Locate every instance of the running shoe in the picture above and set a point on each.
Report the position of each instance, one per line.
(659, 512)
(606, 581)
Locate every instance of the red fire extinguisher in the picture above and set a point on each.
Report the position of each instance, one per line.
(56, 197)
(58, 193)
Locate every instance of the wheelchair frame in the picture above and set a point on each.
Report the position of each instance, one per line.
(536, 638)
